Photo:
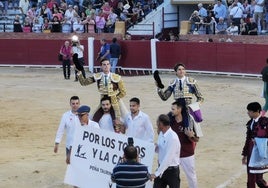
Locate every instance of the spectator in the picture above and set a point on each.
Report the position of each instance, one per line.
(236, 13)
(97, 5)
(252, 28)
(232, 29)
(86, 4)
(33, 3)
(78, 26)
(139, 12)
(69, 13)
(195, 21)
(221, 27)
(137, 123)
(17, 25)
(37, 26)
(106, 10)
(202, 12)
(243, 27)
(100, 22)
(23, 6)
(89, 24)
(259, 15)
(31, 13)
(55, 12)
(77, 10)
(246, 11)
(90, 10)
(119, 9)
(129, 172)
(4, 7)
(27, 26)
(51, 3)
(44, 12)
(219, 10)
(65, 51)
(66, 26)
(110, 23)
(46, 27)
(55, 25)
(168, 148)
(115, 51)
(113, 4)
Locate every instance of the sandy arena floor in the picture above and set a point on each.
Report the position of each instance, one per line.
(33, 100)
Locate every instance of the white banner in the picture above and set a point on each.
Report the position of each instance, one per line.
(96, 152)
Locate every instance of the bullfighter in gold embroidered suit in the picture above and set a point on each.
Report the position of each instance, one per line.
(109, 84)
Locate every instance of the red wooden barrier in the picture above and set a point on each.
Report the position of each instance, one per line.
(200, 56)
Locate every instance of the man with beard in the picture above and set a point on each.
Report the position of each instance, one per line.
(105, 115)
(137, 123)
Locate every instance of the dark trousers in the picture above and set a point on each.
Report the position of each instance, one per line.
(254, 179)
(82, 63)
(66, 65)
(170, 177)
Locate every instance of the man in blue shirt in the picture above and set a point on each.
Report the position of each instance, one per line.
(104, 51)
(219, 10)
(130, 173)
(115, 52)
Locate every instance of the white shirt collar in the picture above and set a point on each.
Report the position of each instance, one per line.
(182, 79)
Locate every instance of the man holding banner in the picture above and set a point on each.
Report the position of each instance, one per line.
(95, 153)
(83, 116)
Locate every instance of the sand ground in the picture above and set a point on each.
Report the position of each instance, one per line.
(33, 100)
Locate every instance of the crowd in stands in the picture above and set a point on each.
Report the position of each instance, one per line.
(79, 16)
(231, 17)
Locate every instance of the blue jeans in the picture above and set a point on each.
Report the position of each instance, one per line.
(113, 62)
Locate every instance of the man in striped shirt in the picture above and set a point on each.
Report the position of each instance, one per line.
(130, 173)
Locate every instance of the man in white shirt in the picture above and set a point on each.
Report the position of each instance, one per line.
(67, 124)
(168, 149)
(137, 123)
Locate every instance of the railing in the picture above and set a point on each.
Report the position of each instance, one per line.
(169, 14)
(64, 28)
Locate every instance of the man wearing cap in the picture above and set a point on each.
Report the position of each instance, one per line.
(83, 116)
(108, 84)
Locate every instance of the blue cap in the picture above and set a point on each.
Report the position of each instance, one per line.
(83, 109)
